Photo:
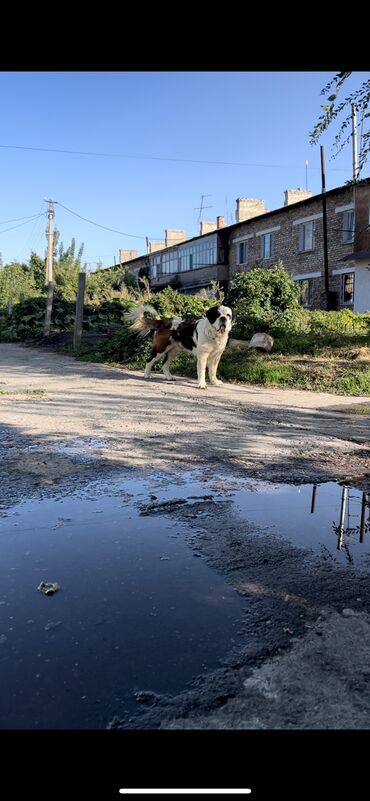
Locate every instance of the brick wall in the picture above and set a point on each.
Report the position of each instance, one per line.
(286, 241)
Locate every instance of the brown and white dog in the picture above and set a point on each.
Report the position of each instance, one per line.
(205, 338)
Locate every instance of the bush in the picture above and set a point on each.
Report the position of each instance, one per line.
(172, 303)
(266, 300)
(124, 347)
(27, 319)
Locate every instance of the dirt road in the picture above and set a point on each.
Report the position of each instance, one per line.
(273, 433)
(305, 614)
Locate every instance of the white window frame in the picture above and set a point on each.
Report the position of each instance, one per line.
(268, 237)
(306, 242)
(342, 282)
(348, 230)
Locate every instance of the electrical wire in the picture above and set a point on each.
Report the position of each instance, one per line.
(164, 158)
(134, 236)
(20, 224)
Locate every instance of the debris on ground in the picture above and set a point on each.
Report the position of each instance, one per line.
(48, 587)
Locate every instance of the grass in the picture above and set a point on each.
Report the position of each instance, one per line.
(341, 370)
(325, 374)
(30, 393)
(358, 410)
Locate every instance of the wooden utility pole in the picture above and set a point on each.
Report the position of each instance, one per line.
(77, 336)
(325, 228)
(49, 267)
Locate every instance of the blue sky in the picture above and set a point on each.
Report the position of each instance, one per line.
(142, 120)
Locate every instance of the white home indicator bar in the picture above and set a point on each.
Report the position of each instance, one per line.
(182, 791)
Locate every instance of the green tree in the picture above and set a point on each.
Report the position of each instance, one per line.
(16, 280)
(37, 268)
(336, 110)
(66, 268)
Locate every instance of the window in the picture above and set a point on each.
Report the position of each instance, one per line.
(155, 263)
(243, 252)
(305, 292)
(347, 289)
(348, 230)
(267, 243)
(306, 238)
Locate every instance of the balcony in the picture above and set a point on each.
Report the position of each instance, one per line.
(198, 277)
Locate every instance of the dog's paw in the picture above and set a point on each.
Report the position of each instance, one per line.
(202, 385)
(147, 377)
(216, 382)
(170, 378)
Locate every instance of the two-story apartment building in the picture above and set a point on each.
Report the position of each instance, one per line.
(189, 264)
(293, 234)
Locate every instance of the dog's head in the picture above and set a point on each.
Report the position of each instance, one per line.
(221, 317)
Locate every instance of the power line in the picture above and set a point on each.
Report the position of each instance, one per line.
(20, 224)
(15, 219)
(163, 158)
(134, 236)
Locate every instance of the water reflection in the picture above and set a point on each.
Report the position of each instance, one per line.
(345, 529)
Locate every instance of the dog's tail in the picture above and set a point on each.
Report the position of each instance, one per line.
(139, 323)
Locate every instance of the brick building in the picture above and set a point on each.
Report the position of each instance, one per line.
(292, 234)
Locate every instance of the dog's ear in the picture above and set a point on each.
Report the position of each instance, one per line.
(212, 314)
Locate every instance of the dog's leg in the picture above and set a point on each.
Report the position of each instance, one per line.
(171, 354)
(153, 358)
(212, 370)
(201, 370)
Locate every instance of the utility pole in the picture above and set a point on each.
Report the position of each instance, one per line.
(325, 228)
(354, 144)
(50, 239)
(49, 267)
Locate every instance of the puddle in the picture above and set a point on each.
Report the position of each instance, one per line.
(136, 611)
(330, 519)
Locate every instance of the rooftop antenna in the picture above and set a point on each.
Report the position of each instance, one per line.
(201, 207)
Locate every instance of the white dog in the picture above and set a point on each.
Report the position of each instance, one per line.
(206, 338)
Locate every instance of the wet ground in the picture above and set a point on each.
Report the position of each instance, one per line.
(170, 588)
(212, 552)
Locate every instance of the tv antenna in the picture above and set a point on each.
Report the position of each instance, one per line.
(201, 207)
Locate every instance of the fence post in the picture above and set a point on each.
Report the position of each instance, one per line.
(10, 307)
(49, 306)
(77, 335)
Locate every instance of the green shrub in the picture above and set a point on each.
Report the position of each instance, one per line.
(265, 300)
(124, 347)
(172, 303)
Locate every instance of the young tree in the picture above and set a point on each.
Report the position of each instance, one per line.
(334, 110)
(38, 270)
(66, 269)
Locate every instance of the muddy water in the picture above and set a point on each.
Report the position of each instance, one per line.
(137, 610)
